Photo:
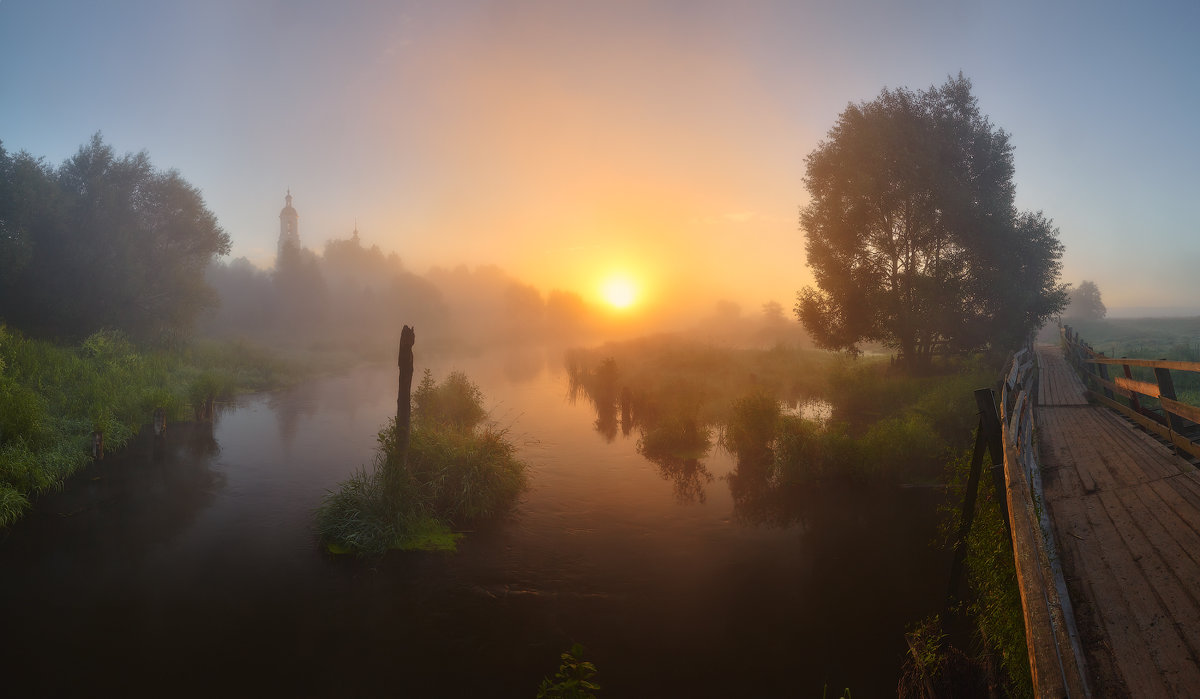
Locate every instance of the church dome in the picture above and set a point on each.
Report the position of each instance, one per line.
(287, 210)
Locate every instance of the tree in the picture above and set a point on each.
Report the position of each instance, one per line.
(104, 242)
(1085, 302)
(913, 236)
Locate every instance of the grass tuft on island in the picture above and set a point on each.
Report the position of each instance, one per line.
(458, 469)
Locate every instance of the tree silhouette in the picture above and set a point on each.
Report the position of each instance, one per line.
(1085, 302)
(913, 236)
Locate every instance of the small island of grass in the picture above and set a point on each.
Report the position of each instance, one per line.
(457, 469)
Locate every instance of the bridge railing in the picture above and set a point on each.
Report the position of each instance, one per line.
(1055, 655)
(1153, 405)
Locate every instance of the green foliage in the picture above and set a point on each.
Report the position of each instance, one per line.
(456, 402)
(52, 398)
(807, 452)
(913, 235)
(753, 421)
(103, 242)
(13, 504)
(905, 446)
(455, 470)
(574, 679)
(676, 436)
(991, 574)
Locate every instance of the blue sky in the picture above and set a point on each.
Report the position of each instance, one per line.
(567, 141)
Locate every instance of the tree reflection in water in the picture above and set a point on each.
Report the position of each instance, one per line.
(676, 444)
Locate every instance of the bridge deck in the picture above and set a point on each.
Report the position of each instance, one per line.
(1126, 514)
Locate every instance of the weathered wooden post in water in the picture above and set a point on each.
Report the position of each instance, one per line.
(988, 438)
(408, 337)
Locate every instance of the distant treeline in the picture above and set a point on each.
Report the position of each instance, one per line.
(355, 298)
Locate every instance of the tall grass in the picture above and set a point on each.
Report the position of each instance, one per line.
(456, 470)
(52, 398)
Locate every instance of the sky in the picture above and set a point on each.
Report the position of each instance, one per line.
(568, 142)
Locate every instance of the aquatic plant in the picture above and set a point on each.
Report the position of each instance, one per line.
(574, 679)
(753, 422)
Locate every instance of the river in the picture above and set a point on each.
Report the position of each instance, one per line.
(191, 567)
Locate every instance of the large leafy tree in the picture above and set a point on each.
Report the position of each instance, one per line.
(913, 236)
(103, 241)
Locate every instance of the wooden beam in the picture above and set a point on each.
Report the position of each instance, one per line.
(1114, 387)
(1143, 387)
(1183, 410)
(1153, 363)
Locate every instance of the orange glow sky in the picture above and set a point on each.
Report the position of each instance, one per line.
(568, 141)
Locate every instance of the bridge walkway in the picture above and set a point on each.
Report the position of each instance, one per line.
(1126, 515)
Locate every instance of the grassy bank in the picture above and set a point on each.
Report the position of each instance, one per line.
(53, 398)
(457, 469)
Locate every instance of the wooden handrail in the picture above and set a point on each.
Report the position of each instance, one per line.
(1175, 418)
(1056, 658)
(1099, 358)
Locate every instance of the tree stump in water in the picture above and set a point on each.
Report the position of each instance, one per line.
(97, 445)
(160, 422)
(408, 337)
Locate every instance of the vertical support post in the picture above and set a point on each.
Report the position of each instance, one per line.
(1134, 401)
(985, 398)
(408, 338)
(1102, 370)
(1166, 388)
(98, 445)
(968, 511)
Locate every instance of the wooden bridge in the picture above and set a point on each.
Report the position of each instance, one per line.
(1104, 504)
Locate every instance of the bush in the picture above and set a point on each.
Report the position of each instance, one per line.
(456, 402)
(752, 424)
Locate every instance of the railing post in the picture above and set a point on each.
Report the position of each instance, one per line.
(1102, 370)
(1166, 388)
(1134, 401)
(993, 436)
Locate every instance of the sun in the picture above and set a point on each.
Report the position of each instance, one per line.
(619, 292)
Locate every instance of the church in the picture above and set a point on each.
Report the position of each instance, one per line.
(289, 226)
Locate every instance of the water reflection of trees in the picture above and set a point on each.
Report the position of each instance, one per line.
(600, 387)
(676, 445)
(670, 433)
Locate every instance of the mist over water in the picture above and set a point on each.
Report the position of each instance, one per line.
(192, 568)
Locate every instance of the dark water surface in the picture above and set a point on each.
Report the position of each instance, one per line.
(192, 568)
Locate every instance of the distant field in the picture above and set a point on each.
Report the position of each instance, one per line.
(1148, 338)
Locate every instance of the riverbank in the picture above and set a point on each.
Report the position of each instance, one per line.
(63, 406)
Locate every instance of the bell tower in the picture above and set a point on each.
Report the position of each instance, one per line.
(289, 226)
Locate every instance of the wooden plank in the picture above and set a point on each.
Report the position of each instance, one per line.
(1150, 425)
(1086, 554)
(1143, 387)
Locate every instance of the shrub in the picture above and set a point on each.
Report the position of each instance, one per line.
(752, 424)
(456, 402)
